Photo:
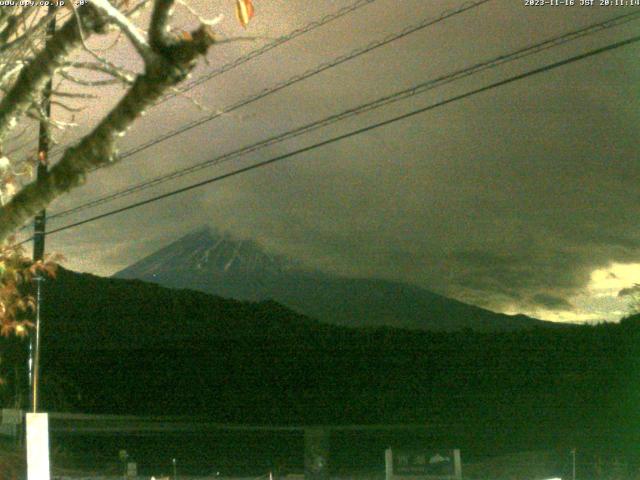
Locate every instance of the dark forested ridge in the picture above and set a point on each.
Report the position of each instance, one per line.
(124, 346)
(216, 263)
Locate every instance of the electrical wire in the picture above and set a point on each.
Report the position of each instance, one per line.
(378, 103)
(309, 73)
(258, 52)
(304, 76)
(352, 133)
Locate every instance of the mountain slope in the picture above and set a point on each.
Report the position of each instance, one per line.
(218, 264)
(130, 347)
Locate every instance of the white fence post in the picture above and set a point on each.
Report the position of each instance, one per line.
(388, 464)
(38, 446)
(457, 465)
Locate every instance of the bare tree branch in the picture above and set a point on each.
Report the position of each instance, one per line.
(159, 29)
(104, 66)
(172, 60)
(10, 28)
(129, 29)
(35, 75)
(69, 108)
(93, 83)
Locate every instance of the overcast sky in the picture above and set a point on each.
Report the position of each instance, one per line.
(520, 199)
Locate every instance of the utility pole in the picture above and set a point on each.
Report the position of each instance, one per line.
(39, 224)
(573, 454)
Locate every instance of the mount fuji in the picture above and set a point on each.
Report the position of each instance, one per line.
(217, 263)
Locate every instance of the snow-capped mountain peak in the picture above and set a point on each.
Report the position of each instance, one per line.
(221, 264)
(207, 250)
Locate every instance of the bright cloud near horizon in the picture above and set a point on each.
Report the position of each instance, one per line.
(521, 199)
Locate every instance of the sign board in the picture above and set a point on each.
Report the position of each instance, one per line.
(316, 453)
(132, 470)
(11, 416)
(11, 421)
(436, 464)
(38, 446)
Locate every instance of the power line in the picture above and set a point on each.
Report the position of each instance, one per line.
(397, 96)
(306, 75)
(284, 39)
(260, 51)
(359, 131)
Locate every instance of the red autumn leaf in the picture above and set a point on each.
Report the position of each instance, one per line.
(50, 270)
(17, 302)
(244, 11)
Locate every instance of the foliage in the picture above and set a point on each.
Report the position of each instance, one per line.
(12, 465)
(137, 348)
(634, 299)
(32, 53)
(17, 274)
(244, 11)
(243, 349)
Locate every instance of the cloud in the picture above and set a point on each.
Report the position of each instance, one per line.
(551, 302)
(630, 291)
(508, 200)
